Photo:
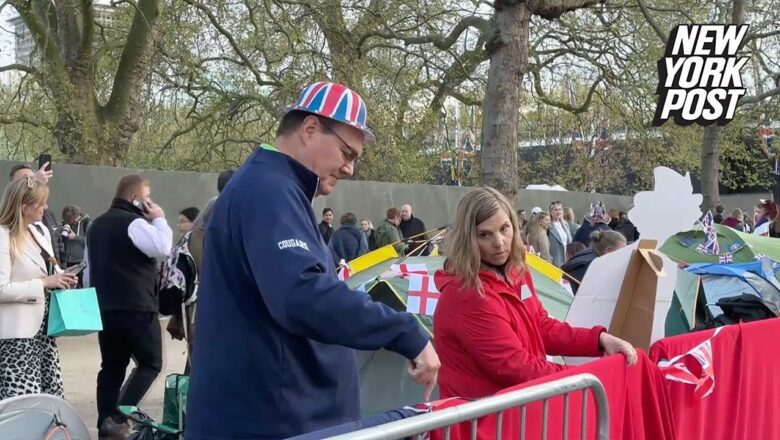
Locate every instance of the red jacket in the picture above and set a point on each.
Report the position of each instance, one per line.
(500, 340)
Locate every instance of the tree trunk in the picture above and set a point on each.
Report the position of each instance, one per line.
(508, 62)
(710, 148)
(710, 167)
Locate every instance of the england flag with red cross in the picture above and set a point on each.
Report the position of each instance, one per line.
(423, 295)
(406, 269)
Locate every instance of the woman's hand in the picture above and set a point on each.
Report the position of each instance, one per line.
(612, 344)
(62, 280)
(43, 175)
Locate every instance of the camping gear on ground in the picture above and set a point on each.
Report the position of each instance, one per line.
(175, 400)
(74, 312)
(756, 278)
(742, 308)
(695, 306)
(40, 416)
(685, 308)
(146, 428)
(174, 407)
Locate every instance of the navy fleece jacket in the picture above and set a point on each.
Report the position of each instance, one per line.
(276, 330)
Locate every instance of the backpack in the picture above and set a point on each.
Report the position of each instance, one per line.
(177, 282)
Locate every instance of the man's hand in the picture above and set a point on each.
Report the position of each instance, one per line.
(425, 369)
(153, 210)
(612, 344)
(44, 175)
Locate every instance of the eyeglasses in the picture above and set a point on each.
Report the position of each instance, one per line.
(350, 154)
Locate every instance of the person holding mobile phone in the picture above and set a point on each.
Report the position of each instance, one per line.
(122, 247)
(29, 359)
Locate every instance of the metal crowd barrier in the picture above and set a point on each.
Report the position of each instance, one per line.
(471, 411)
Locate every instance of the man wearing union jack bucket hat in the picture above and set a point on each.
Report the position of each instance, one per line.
(277, 329)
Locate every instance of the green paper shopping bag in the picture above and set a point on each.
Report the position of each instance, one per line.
(74, 312)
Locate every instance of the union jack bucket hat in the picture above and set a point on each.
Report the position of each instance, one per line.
(334, 101)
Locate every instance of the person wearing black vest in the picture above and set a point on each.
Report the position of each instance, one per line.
(413, 229)
(123, 245)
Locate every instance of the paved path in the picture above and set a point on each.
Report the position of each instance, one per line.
(81, 363)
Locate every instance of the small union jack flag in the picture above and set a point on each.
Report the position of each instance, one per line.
(710, 246)
(726, 259)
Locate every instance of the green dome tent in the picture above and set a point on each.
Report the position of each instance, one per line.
(737, 246)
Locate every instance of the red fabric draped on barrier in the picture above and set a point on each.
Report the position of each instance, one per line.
(638, 406)
(643, 404)
(745, 400)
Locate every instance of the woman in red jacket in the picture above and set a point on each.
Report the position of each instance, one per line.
(490, 330)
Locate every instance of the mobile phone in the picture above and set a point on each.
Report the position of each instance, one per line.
(140, 204)
(76, 269)
(44, 159)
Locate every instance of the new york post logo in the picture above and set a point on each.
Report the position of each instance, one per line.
(699, 78)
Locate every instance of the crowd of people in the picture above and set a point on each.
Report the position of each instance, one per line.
(401, 229)
(555, 236)
(276, 330)
(118, 253)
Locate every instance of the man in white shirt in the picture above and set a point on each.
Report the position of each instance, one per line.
(123, 245)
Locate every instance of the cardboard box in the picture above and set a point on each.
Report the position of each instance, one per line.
(634, 312)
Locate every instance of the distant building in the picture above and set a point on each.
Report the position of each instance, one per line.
(25, 50)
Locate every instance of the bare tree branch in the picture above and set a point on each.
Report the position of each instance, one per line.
(236, 47)
(651, 21)
(439, 41)
(563, 105)
(758, 98)
(760, 35)
(19, 67)
(6, 119)
(552, 9)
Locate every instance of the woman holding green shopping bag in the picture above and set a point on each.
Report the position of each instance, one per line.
(29, 360)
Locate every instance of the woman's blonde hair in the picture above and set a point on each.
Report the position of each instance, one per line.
(568, 214)
(601, 240)
(534, 230)
(26, 191)
(462, 249)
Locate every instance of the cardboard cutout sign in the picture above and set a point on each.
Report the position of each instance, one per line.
(629, 291)
(636, 302)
